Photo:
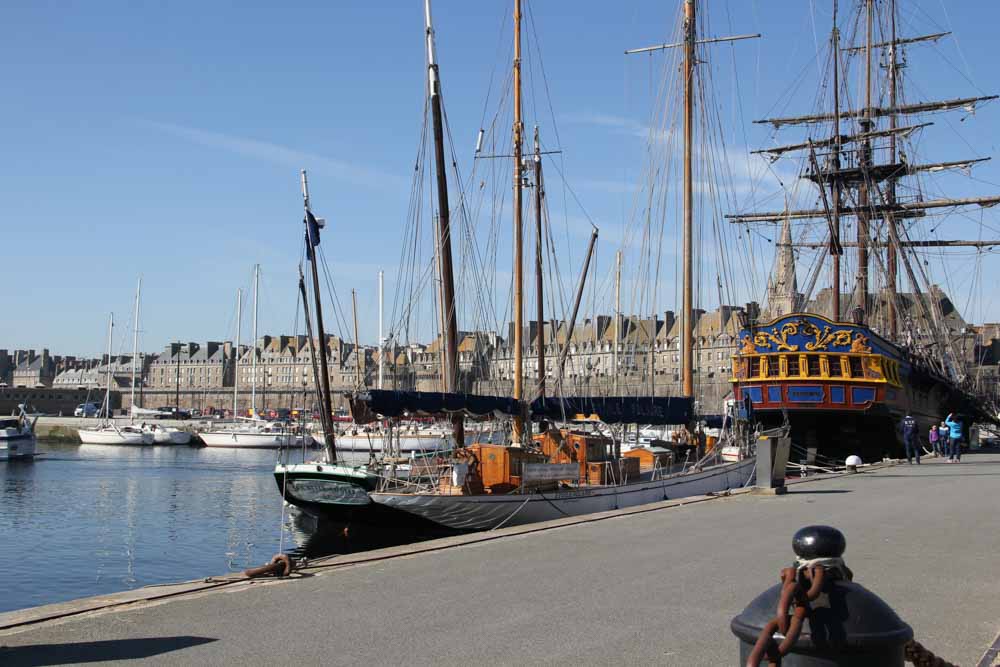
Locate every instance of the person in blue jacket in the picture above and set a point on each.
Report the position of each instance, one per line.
(910, 439)
(954, 425)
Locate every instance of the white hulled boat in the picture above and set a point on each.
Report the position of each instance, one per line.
(167, 435)
(17, 438)
(108, 432)
(254, 434)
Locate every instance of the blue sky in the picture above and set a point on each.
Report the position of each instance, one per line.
(164, 139)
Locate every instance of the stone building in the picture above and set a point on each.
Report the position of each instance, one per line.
(192, 366)
(34, 370)
(92, 373)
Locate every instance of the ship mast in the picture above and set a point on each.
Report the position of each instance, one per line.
(687, 310)
(864, 195)
(539, 283)
(687, 315)
(875, 201)
(449, 318)
(518, 130)
(835, 249)
(890, 193)
(326, 402)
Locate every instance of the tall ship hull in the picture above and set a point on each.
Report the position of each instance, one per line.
(843, 388)
(488, 511)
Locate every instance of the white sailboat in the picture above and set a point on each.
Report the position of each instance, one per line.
(109, 433)
(254, 433)
(162, 435)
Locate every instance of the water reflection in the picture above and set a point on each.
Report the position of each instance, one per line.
(101, 518)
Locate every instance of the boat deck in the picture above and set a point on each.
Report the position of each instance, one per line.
(655, 585)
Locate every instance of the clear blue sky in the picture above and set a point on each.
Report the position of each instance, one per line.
(164, 139)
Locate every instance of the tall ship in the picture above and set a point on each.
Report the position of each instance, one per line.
(558, 460)
(843, 370)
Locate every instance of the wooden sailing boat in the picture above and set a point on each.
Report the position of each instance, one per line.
(845, 385)
(560, 471)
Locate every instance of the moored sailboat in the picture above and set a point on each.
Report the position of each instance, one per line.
(108, 432)
(567, 470)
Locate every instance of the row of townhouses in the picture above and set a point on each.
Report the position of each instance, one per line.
(604, 355)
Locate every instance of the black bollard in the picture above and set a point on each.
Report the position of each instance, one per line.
(840, 622)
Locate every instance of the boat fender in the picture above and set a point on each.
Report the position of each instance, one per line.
(280, 566)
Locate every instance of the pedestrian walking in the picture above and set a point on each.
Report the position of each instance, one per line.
(932, 438)
(910, 439)
(954, 425)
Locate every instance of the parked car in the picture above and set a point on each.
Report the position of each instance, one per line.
(169, 412)
(87, 410)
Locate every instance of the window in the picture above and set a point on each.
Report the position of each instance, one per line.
(835, 368)
(813, 364)
(793, 366)
(755, 370)
(857, 370)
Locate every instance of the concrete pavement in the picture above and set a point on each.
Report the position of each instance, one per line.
(657, 587)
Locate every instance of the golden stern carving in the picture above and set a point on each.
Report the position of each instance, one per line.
(860, 343)
(764, 339)
(823, 339)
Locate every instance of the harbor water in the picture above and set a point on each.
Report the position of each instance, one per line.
(85, 520)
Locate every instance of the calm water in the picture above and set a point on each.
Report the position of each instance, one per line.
(90, 519)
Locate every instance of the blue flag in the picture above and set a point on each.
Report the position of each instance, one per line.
(312, 233)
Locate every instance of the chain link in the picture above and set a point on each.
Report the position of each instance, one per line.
(921, 657)
(793, 607)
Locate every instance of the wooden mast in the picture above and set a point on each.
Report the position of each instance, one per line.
(518, 129)
(864, 196)
(325, 419)
(449, 317)
(687, 314)
(687, 330)
(835, 248)
(893, 246)
(358, 352)
(539, 281)
(326, 401)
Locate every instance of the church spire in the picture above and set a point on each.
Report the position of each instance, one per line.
(782, 288)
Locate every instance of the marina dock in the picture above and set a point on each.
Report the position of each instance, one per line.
(657, 585)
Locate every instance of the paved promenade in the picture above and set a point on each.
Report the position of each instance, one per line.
(656, 587)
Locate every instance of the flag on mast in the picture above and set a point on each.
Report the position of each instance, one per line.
(313, 225)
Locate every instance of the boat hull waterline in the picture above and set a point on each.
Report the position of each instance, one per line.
(99, 436)
(20, 446)
(339, 495)
(251, 440)
(484, 512)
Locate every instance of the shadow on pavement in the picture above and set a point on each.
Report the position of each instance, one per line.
(36, 655)
(804, 492)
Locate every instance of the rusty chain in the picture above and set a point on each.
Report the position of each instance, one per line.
(915, 652)
(793, 608)
(280, 566)
(788, 620)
